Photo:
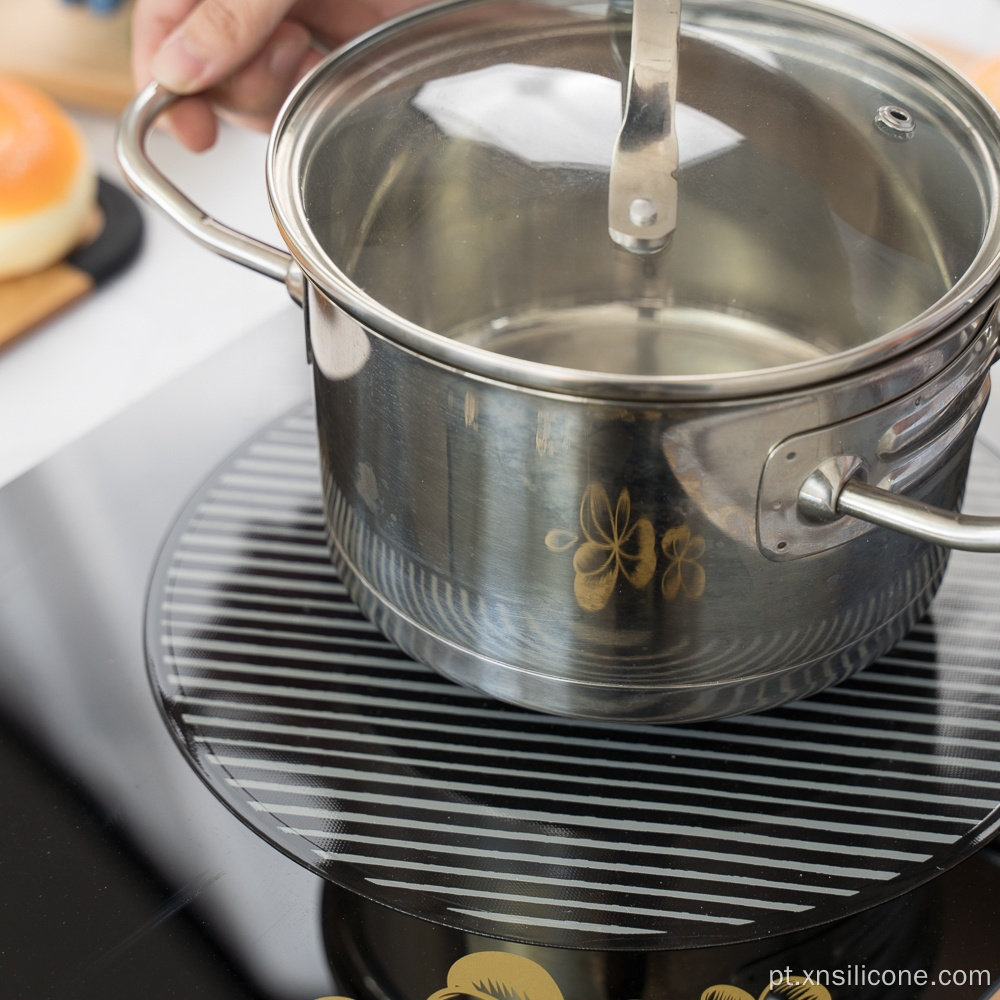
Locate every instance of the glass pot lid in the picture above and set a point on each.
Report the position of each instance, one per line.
(446, 180)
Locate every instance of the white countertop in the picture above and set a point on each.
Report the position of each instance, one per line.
(177, 304)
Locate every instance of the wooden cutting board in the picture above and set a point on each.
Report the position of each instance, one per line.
(27, 301)
(79, 58)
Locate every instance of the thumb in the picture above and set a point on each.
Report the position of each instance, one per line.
(213, 41)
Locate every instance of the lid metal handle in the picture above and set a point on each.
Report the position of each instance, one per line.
(642, 196)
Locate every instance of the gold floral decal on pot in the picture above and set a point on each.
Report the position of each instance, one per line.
(787, 988)
(471, 411)
(498, 975)
(615, 545)
(495, 975)
(501, 975)
(684, 573)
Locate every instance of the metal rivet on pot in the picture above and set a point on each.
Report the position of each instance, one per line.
(642, 212)
(895, 121)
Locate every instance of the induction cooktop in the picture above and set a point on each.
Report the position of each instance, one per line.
(125, 874)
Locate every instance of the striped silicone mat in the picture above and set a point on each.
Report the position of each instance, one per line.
(397, 784)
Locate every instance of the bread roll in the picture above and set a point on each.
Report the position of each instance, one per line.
(47, 181)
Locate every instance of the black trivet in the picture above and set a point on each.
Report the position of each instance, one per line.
(395, 783)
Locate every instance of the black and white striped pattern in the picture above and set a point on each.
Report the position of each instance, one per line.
(435, 800)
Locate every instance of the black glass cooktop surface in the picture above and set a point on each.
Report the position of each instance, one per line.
(124, 875)
(388, 779)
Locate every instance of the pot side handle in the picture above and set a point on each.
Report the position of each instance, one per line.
(921, 520)
(150, 184)
(831, 492)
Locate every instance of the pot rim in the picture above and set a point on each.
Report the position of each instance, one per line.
(964, 298)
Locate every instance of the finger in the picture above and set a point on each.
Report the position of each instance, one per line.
(192, 121)
(262, 121)
(253, 96)
(338, 21)
(214, 40)
(153, 21)
(257, 91)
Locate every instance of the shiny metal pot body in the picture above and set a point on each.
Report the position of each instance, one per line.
(625, 560)
(615, 485)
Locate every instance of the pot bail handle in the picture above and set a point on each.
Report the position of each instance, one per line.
(150, 184)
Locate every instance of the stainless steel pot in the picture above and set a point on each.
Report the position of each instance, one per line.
(629, 485)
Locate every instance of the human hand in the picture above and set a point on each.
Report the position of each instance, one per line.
(239, 58)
